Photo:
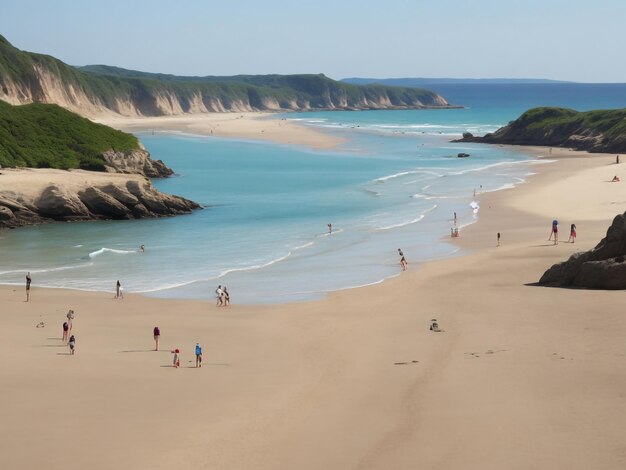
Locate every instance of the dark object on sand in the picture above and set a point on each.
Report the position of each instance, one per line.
(463, 155)
(604, 267)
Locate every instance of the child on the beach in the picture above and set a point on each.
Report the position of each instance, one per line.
(176, 359)
(572, 233)
(198, 355)
(72, 344)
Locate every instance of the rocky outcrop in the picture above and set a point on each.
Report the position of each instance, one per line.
(604, 267)
(137, 163)
(601, 131)
(130, 199)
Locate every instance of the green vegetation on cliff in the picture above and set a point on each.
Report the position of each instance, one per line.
(594, 131)
(22, 76)
(48, 136)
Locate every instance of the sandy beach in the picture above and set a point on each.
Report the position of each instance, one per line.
(522, 377)
(246, 125)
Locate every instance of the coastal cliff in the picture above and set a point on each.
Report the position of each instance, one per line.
(48, 136)
(602, 131)
(33, 196)
(27, 77)
(39, 146)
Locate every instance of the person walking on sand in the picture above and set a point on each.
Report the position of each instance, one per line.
(70, 318)
(66, 328)
(176, 358)
(403, 262)
(225, 297)
(198, 355)
(219, 296)
(555, 232)
(157, 334)
(572, 233)
(498, 239)
(28, 281)
(72, 344)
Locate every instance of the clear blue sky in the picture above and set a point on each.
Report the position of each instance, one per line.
(579, 40)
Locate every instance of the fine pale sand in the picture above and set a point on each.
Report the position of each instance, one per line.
(253, 126)
(523, 377)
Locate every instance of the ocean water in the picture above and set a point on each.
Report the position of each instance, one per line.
(395, 183)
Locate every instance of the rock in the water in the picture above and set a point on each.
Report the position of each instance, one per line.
(604, 267)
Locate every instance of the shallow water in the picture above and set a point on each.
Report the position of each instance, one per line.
(396, 183)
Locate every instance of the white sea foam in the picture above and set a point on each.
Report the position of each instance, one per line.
(101, 251)
(45, 270)
(409, 222)
(302, 247)
(326, 234)
(396, 175)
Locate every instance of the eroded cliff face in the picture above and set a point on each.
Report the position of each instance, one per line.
(45, 85)
(137, 162)
(81, 199)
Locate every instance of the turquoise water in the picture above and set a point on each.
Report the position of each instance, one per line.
(395, 183)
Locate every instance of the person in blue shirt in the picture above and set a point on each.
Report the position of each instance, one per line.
(198, 355)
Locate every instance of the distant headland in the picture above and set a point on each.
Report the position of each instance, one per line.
(602, 131)
(26, 77)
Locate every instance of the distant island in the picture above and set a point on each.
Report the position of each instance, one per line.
(420, 82)
(26, 77)
(602, 131)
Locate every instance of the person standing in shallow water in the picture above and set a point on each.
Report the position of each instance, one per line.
(118, 290)
(28, 281)
(403, 262)
(330, 228)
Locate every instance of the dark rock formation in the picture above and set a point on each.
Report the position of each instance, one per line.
(129, 200)
(604, 267)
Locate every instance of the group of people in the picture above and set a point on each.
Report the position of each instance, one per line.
(176, 352)
(554, 233)
(223, 297)
(67, 331)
